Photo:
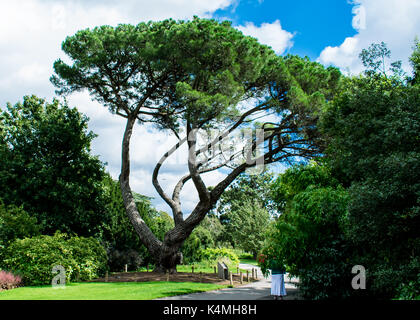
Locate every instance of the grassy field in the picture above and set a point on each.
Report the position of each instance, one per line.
(108, 291)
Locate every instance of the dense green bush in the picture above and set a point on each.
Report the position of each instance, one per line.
(34, 258)
(215, 254)
(199, 240)
(15, 223)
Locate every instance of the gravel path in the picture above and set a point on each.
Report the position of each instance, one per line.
(259, 290)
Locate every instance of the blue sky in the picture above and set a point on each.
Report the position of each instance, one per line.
(316, 24)
(332, 32)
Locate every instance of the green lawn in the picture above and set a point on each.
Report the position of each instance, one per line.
(108, 291)
(249, 261)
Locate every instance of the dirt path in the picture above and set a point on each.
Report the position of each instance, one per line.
(176, 277)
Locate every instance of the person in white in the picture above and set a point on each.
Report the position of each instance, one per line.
(278, 289)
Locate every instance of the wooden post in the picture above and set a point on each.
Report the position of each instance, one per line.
(256, 274)
(247, 275)
(106, 276)
(192, 269)
(230, 278)
(125, 268)
(252, 276)
(147, 267)
(242, 278)
(215, 269)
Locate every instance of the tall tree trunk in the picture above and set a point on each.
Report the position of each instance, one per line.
(167, 254)
(146, 235)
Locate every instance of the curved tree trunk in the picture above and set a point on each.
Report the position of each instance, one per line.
(146, 235)
(166, 254)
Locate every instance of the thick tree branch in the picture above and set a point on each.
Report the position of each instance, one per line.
(203, 193)
(174, 205)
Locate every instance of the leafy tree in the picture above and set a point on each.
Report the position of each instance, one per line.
(374, 59)
(309, 236)
(46, 166)
(415, 61)
(296, 179)
(247, 225)
(247, 192)
(373, 127)
(118, 234)
(190, 76)
(15, 223)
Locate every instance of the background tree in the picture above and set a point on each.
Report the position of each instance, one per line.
(373, 128)
(193, 75)
(46, 166)
(244, 210)
(248, 224)
(415, 62)
(118, 234)
(296, 179)
(15, 223)
(309, 236)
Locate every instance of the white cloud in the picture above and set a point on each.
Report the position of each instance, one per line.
(343, 56)
(392, 21)
(270, 34)
(31, 33)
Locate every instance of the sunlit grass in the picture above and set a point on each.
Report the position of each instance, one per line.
(108, 291)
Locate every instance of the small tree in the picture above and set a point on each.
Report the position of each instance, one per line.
(192, 76)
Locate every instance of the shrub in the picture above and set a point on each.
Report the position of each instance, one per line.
(199, 240)
(34, 258)
(217, 254)
(9, 281)
(410, 291)
(246, 255)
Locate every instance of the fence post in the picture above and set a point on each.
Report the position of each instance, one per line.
(126, 268)
(242, 278)
(247, 275)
